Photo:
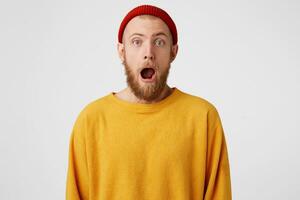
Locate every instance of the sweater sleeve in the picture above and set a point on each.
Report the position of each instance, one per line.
(217, 181)
(77, 187)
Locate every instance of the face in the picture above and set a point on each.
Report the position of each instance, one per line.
(147, 52)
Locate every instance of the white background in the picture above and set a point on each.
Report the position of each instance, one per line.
(243, 56)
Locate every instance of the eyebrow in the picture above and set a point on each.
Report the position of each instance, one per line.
(155, 34)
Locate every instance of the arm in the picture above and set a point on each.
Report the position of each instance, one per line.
(217, 181)
(77, 177)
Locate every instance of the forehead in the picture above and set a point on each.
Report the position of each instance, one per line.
(147, 24)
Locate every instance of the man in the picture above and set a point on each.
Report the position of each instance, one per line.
(148, 141)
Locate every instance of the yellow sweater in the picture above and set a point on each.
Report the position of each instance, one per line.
(174, 149)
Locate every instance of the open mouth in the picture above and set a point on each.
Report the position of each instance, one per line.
(148, 74)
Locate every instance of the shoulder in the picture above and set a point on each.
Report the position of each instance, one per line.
(204, 108)
(92, 109)
(197, 102)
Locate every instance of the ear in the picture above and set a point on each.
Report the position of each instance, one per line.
(174, 51)
(121, 52)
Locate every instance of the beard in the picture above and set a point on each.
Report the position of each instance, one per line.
(148, 91)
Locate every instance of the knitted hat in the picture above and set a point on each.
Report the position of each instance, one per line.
(149, 10)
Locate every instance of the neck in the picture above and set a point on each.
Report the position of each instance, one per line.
(127, 95)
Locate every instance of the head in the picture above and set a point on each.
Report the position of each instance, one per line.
(147, 48)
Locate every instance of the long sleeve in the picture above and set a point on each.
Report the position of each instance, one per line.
(218, 181)
(77, 187)
(174, 149)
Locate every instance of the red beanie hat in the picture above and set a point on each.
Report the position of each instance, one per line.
(149, 10)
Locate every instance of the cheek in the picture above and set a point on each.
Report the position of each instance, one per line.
(132, 53)
(132, 62)
(130, 57)
(164, 58)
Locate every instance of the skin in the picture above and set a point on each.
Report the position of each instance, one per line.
(139, 51)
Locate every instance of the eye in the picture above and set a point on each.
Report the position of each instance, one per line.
(159, 42)
(136, 42)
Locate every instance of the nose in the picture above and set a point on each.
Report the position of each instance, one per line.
(151, 57)
(149, 54)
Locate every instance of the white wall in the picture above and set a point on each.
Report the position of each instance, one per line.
(243, 56)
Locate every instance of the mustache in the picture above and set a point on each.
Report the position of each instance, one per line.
(149, 65)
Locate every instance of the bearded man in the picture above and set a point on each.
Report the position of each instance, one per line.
(148, 141)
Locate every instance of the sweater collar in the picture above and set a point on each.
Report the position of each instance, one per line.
(144, 107)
